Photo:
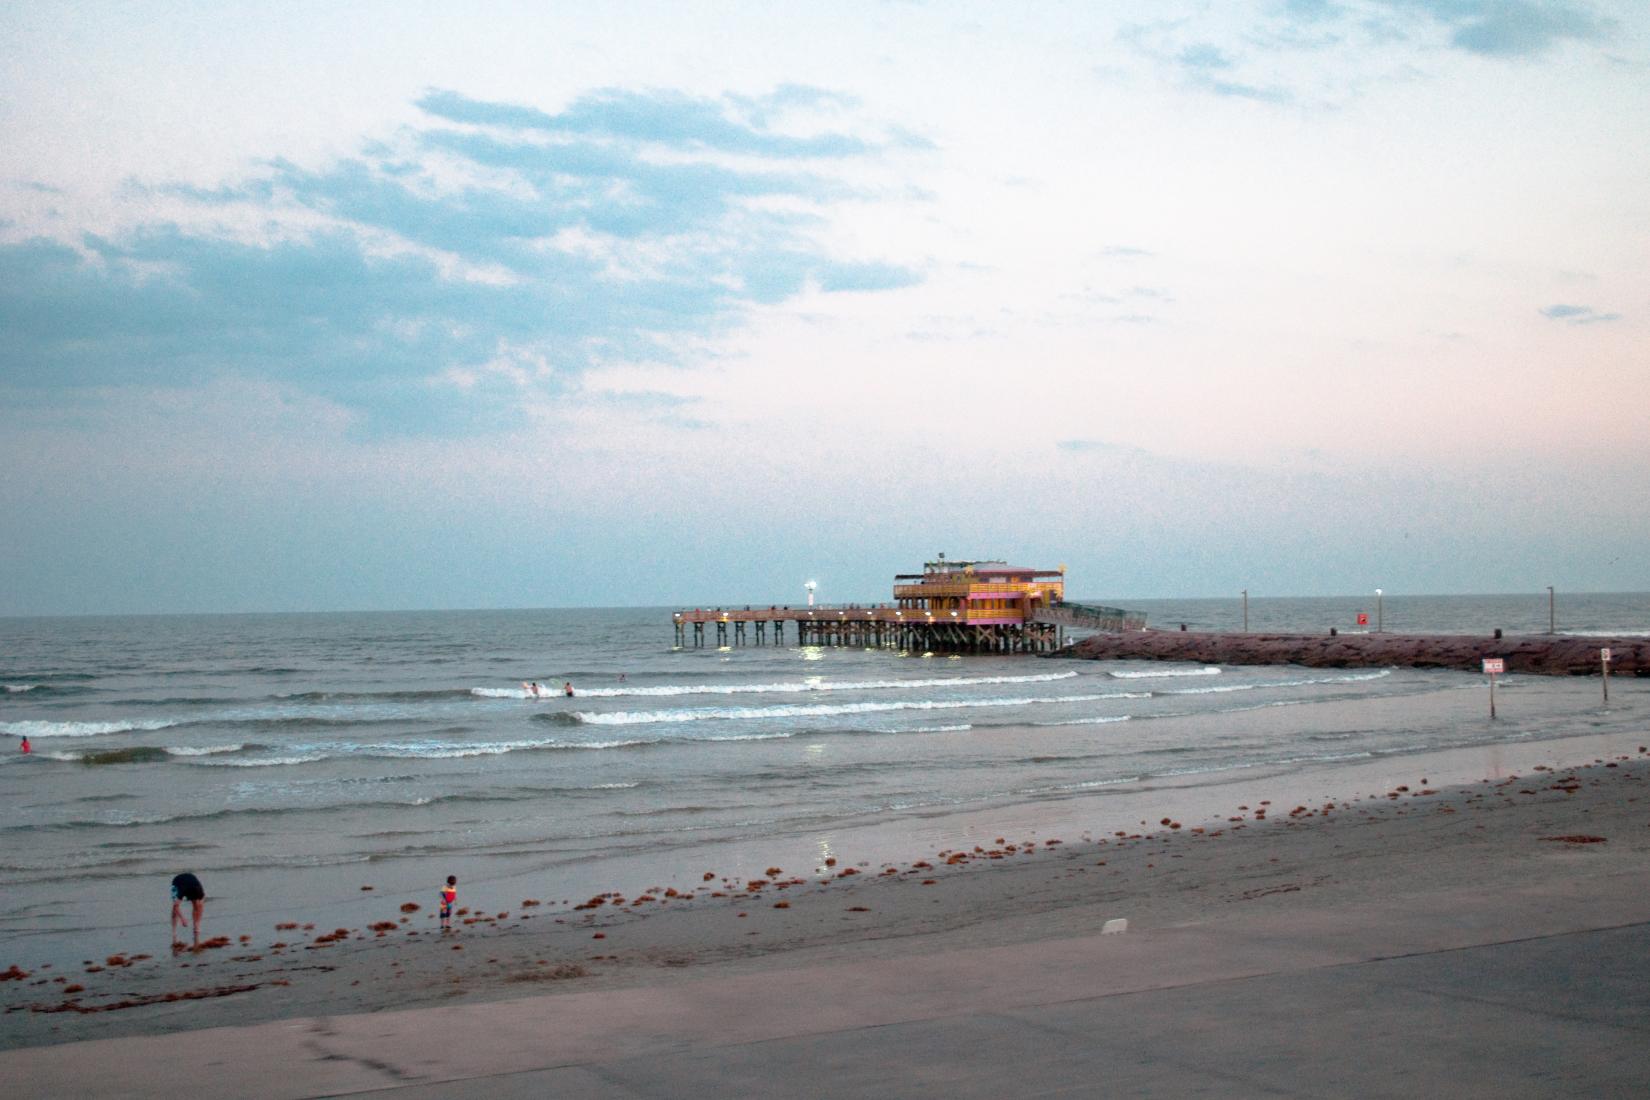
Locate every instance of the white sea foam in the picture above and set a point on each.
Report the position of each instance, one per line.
(453, 750)
(202, 750)
(83, 729)
(781, 687)
(1152, 674)
(959, 727)
(1086, 721)
(262, 761)
(1349, 678)
(18, 689)
(825, 710)
(750, 736)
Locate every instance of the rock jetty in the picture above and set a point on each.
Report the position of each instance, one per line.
(1541, 654)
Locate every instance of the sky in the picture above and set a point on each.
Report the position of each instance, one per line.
(319, 306)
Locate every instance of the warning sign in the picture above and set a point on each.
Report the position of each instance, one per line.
(1363, 618)
(1495, 666)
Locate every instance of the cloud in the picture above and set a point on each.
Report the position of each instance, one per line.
(1578, 315)
(1200, 65)
(1490, 28)
(1204, 57)
(1100, 446)
(424, 284)
(1320, 52)
(1511, 28)
(665, 118)
(842, 277)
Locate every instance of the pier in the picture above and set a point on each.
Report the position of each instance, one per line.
(950, 607)
(879, 627)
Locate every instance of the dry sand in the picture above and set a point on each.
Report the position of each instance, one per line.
(1575, 810)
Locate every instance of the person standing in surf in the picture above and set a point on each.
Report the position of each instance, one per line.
(24, 747)
(186, 887)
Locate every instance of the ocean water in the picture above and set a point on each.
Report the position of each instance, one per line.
(290, 759)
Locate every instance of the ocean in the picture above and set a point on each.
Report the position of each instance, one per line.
(290, 760)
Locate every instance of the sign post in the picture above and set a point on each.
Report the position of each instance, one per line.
(1493, 667)
(1604, 665)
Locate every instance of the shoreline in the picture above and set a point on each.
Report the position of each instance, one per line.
(1537, 654)
(1068, 789)
(1333, 833)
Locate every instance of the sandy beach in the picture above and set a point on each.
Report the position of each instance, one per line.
(1570, 810)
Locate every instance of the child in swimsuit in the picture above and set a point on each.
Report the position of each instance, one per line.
(449, 894)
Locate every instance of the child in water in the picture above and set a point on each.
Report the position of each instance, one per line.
(449, 894)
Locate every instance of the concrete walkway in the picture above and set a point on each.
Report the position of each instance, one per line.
(1530, 991)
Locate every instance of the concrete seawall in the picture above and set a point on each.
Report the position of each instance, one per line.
(1543, 654)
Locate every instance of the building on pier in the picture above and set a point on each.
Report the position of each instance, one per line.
(981, 593)
(951, 606)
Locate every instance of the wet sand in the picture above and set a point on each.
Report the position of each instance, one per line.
(1572, 812)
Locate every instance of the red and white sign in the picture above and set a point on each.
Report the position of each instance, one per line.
(1495, 666)
(1604, 654)
(1363, 618)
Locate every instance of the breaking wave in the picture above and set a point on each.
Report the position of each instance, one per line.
(42, 728)
(1348, 678)
(1155, 674)
(780, 687)
(209, 750)
(821, 710)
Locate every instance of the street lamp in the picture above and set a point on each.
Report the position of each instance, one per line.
(1246, 611)
(1377, 611)
(1552, 614)
(810, 586)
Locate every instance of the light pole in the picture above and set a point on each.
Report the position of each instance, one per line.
(1552, 613)
(810, 586)
(1246, 611)
(1377, 611)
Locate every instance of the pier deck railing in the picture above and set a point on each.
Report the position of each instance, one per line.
(1085, 616)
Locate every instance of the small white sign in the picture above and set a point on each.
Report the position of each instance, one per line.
(1495, 665)
(1604, 654)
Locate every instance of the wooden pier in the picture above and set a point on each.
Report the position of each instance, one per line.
(880, 627)
(950, 607)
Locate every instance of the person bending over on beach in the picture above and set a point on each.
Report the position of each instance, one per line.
(186, 887)
(449, 894)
